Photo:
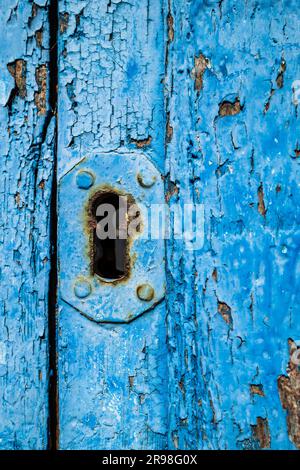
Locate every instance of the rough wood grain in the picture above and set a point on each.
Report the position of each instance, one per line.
(112, 378)
(233, 146)
(26, 135)
(230, 127)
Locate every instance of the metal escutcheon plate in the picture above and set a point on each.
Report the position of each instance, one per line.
(128, 174)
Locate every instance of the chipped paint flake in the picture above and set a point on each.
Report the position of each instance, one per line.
(289, 391)
(261, 433)
(18, 70)
(261, 201)
(225, 312)
(201, 63)
(257, 389)
(141, 143)
(228, 108)
(40, 96)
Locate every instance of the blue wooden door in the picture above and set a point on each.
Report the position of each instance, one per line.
(188, 103)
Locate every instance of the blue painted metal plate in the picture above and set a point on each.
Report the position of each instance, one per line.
(129, 174)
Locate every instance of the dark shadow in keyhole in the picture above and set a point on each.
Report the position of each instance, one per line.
(110, 255)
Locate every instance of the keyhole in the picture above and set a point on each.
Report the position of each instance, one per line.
(110, 244)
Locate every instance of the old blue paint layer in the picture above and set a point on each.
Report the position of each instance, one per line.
(221, 376)
(112, 378)
(233, 145)
(112, 382)
(25, 183)
(209, 91)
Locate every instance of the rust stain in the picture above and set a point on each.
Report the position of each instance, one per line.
(181, 384)
(268, 103)
(63, 22)
(142, 142)
(280, 76)
(297, 151)
(201, 63)
(228, 108)
(169, 129)
(289, 392)
(261, 432)
(279, 83)
(257, 389)
(170, 23)
(42, 184)
(261, 202)
(41, 95)
(34, 10)
(18, 70)
(225, 311)
(131, 381)
(90, 224)
(215, 275)
(39, 38)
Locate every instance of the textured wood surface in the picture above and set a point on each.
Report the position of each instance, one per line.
(209, 91)
(26, 135)
(112, 378)
(233, 306)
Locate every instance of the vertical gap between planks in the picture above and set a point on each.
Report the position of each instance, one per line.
(53, 429)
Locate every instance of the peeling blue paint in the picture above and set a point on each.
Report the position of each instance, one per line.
(25, 184)
(208, 91)
(117, 373)
(239, 159)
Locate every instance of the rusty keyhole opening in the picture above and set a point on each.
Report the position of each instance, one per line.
(109, 250)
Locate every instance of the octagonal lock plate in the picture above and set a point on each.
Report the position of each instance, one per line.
(143, 285)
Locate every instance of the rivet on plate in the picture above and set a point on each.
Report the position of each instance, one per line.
(145, 292)
(84, 179)
(82, 288)
(146, 178)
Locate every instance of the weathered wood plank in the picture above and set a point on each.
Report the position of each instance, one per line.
(234, 147)
(26, 135)
(112, 378)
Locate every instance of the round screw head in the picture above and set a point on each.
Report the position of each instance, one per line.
(82, 288)
(145, 292)
(146, 178)
(84, 179)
